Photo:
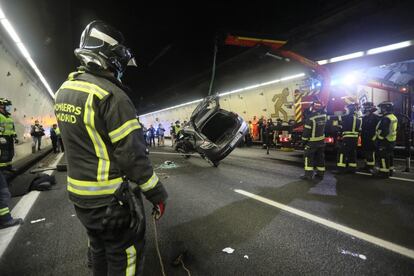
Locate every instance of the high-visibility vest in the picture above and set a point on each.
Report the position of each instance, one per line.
(6, 125)
(392, 131)
(57, 131)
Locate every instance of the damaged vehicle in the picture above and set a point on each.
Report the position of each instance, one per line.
(211, 132)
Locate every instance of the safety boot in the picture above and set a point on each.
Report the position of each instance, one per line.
(319, 175)
(11, 222)
(381, 175)
(307, 176)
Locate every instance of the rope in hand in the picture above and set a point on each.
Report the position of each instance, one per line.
(159, 252)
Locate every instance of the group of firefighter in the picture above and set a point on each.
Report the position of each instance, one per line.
(378, 136)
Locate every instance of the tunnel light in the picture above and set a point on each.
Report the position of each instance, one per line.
(372, 51)
(346, 57)
(172, 107)
(293, 77)
(10, 30)
(390, 47)
(23, 50)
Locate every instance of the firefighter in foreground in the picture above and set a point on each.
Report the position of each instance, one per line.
(369, 124)
(386, 135)
(314, 141)
(7, 140)
(350, 125)
(105, 150)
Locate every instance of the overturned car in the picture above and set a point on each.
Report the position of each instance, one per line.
(212, 132)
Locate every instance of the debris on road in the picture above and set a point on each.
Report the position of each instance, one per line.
(168, 165)
(246, 257)
(73, 215)
(228, 250)
(346, 252)
(37, 220)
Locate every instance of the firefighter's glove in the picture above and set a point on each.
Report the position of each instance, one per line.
(3, 141)
(158, 210)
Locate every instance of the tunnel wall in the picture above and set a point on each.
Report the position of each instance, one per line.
(30, 100)
(253, 102)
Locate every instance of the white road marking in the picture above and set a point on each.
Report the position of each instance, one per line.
(344, 229)
(392, 177)
(38, 220)
(21, 210)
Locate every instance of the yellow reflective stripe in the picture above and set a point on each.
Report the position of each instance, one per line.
(5, 164)
(354, 123)
(91, 192)
(313, 129)
(72, 75)
(321, 169)
(341, 161)
(369, 163)
(85, 87)
(122, 131)
(93, 188)
(350, 135)
(307, 168)
(86, 183)
(314, 139)
(4, 211)
(131, 260)
(384, 170)
(100, 148)
(383, 164)
(304, 138)
(150, 183)
(308, 126)
(352, 165)
(317, 116)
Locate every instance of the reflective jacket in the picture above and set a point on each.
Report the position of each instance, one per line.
(350, 125)
(314, 129)
(369, 124)
(103, 140)
(8, 132)
(177, 129)
(6, 125)
(387, 128)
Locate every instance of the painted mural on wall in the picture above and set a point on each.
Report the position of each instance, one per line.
(280, 101)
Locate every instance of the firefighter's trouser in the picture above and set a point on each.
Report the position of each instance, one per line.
(368, 148)
(55, 145)
(314, 155)
(386, 156)
(4, 200)
(347, 153)
(6, 153)
(118, 252)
